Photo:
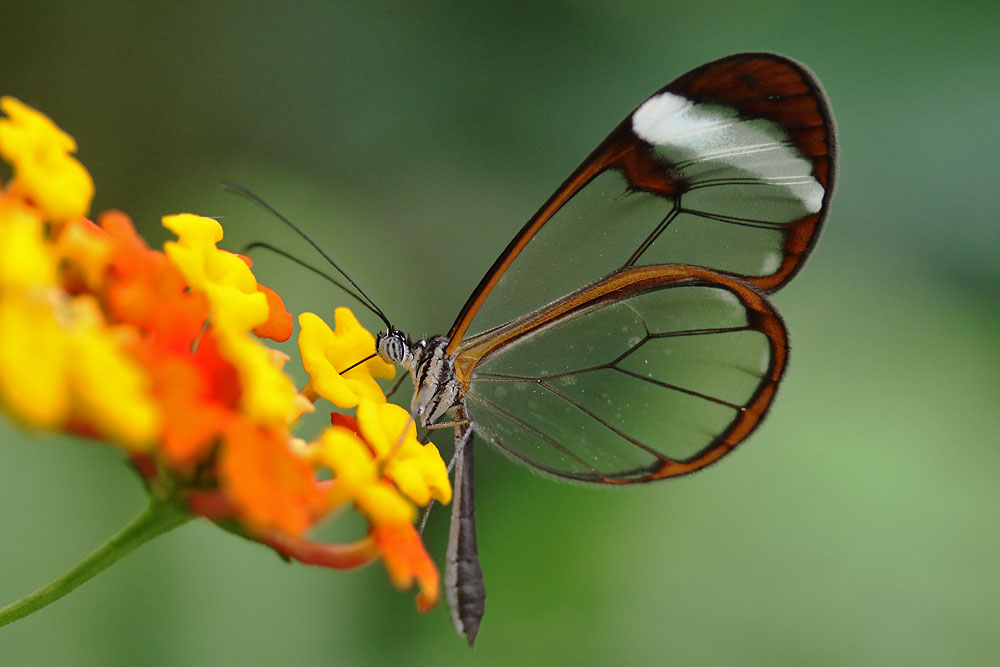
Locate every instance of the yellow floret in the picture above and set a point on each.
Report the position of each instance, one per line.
(44, 170)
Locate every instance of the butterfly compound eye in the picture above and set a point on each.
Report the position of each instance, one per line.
(393, 347)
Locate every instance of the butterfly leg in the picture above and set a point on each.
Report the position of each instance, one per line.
(451, 464)
(457, 422)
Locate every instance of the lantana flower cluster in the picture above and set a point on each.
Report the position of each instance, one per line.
(161, 354)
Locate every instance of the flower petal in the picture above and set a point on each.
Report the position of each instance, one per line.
(27, 261)
(112, 392)
(44, 171)
(86, 251)
(326, 352)
(33, 362)
(406, 560)
(278, 326)
(417, 469)
(222, 276)
(275, 488)
(269, 396)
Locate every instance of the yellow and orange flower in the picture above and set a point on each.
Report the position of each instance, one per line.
(160, 353)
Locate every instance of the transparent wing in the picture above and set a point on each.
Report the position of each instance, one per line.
(729, 167)
(652, 372)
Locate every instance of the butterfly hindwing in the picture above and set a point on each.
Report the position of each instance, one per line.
(653, 372)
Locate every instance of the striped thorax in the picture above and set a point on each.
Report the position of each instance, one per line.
(436, 389)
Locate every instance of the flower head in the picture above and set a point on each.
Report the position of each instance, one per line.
(160, 353)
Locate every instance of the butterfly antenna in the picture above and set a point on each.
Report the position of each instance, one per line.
(358, 363)
(307, 265)
(249, 194)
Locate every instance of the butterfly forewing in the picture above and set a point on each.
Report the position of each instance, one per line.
(650, 373)
(728, 168)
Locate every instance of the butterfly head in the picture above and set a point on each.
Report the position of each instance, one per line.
(394, 346)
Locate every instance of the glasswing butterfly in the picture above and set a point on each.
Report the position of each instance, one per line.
(625, 334)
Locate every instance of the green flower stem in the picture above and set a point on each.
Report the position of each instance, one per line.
(158, 518)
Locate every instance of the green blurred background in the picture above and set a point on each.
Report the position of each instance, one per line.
(858, 527)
